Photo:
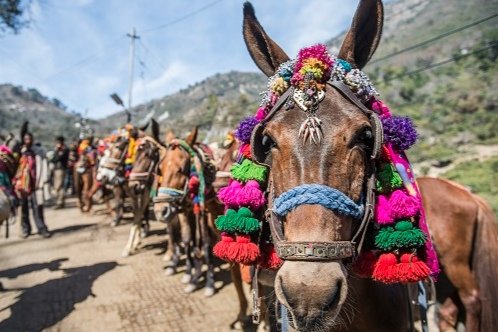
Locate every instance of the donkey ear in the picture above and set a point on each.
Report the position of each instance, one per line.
(169, 136)
(144, 127)
(192, 137)
(364, 35)
(264, 51)
(155, 129)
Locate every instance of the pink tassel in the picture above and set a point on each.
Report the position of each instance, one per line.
(403, 205)
(396, 205)
(383, 211)
(251, 196)
(229, 194)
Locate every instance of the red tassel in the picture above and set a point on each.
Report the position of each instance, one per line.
(386, 268)
(411, 269)
(193, 184)
(241, 251)
(269, 259)
(365, 264)
(245, 150)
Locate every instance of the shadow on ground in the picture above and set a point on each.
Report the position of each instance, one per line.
(70, 229)
(46, 304)
(25, 269)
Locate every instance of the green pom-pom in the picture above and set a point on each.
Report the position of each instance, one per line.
(241, 221)
(388, 179)
(248, 170)
(403, 235)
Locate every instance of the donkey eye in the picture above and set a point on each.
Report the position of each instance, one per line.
(364, 139)
(267, 142)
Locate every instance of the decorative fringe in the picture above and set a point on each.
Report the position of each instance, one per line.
(269, 259)
(385, 269)
(402, 235)
(388, 179)
(248, 171)
(239, 250)
(241, 221)
(397, 205)
(412, 269)
(365, 264)
(409, 269)
(229, 194)
(251, 196)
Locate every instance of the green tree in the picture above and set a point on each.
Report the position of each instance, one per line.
(11, 15)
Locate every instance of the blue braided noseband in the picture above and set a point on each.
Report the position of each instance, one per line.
(328, 197)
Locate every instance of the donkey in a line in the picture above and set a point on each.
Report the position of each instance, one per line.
(185, 197)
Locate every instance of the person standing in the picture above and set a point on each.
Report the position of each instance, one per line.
(26, 185)
(60, 160)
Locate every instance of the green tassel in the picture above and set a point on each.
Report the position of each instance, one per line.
(241, 221)
(388, 179)
(403, 235)
(248, 170)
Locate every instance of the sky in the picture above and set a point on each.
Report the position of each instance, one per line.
(77, 50)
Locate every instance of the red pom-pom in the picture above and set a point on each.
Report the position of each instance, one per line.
(386, 268)
(241, 251)
(365, 264)
(245, 150)
(269, 259)
(222, 248)
(411, 269)
(193, 184)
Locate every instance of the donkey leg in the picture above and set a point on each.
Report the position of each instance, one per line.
(118, 206)
(128, 250)
(461, 276)
(242, 319)
(194, 281)
(173, 262)
(448, 315)
(209, 289)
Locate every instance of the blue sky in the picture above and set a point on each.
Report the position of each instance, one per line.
(76, 50)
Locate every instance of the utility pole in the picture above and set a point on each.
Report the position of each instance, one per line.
(133, 36)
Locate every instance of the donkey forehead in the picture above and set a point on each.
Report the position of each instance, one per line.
(338, 114)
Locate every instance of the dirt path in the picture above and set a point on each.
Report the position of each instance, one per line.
(77, 281)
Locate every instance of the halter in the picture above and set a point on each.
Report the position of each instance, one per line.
(176, 196)
(148, 175)
(330, 198)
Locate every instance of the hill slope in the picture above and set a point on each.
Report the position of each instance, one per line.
(47, 117)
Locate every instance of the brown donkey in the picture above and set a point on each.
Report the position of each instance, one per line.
(465, 235)
(322, 295)
(176, 200)
(141, 180)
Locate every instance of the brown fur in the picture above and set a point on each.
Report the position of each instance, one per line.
(465, 235)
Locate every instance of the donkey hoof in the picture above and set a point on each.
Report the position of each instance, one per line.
(169, 271)
(167, 257)
(190, 288)
(115, 223)
(186, 278)
(125, 253)
(209, 291)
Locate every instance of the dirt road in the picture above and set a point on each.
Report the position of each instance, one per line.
(77, 281)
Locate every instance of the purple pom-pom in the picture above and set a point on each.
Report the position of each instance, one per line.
(245, 128)
(400, 132)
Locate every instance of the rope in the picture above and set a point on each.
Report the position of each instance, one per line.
(328, 197)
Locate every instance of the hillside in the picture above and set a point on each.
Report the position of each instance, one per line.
(215, 104)
(47, 117)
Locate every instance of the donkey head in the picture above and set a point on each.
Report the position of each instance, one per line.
(315, 291)
(174, 170)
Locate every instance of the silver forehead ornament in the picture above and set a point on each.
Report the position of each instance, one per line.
(308, 101)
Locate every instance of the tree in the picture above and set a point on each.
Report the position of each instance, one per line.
(11, 16)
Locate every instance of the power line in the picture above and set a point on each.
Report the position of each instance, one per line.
(156, 58)
(433, 39)
(180, 19)
(440, 63)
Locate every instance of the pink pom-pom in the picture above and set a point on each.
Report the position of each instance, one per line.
(403, 205)
(251, 196)
(260, 114)
(229, 194)
(383, 210)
